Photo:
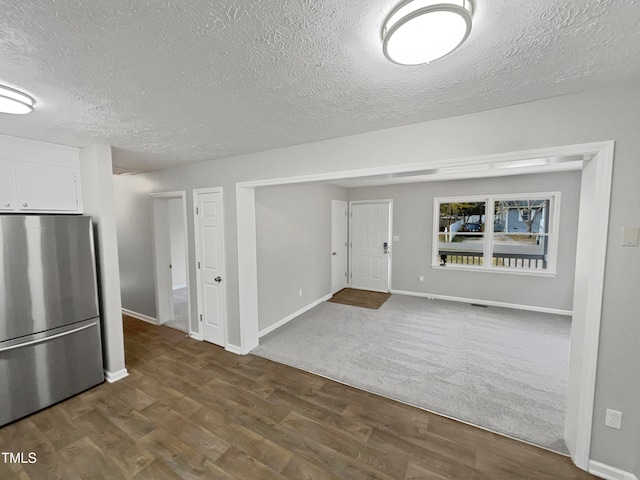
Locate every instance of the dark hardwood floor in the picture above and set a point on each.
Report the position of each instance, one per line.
(192, 410)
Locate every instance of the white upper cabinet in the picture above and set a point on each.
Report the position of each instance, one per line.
(38, 177)
(7, 198)
(46, 188)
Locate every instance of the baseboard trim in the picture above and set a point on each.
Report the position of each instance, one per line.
(234, 349)
(489, 303)
(280, 323)
(112, 377)
(196, 336)
(609, 473)
(140, 316)
(178, 287)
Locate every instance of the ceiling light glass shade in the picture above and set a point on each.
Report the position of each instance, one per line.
(14, 101)
(421, 31)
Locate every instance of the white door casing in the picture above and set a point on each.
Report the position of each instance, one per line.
(209, 234)
(339, 231)
(370, 230)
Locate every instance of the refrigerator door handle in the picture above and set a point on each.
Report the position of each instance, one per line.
(50, 337)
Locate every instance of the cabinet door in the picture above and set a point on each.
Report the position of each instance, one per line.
(7, 200)
(46, 187)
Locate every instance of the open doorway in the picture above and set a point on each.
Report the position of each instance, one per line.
(595, 161)
(170, 260)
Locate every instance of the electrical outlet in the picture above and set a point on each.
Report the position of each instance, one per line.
(613, 419)
(300, 292)
(422, 278)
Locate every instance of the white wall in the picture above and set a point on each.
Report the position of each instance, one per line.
(293, 227)
(413, 223)
(177, 241)
(135, 243)
(610, 114)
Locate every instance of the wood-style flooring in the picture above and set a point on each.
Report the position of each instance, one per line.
(192, 410)
(360, 298)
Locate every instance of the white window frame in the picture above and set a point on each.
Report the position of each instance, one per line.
(488, 234)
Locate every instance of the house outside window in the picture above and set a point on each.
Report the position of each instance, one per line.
(503, 233)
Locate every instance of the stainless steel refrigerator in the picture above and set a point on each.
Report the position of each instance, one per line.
(50, 347)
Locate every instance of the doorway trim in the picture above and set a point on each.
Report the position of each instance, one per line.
(162, 277)
(196, 225)
(593, 228)
(389, 202)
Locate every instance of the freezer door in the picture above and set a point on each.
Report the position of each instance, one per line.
(45, 368)
(47, 273)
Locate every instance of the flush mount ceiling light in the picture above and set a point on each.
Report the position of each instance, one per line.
(14, 101)
(421, 31)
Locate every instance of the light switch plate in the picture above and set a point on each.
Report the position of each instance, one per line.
(396, 238)
(630, 236)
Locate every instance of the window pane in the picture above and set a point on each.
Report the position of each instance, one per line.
(461, 238)
(521, 216)
(521, 233)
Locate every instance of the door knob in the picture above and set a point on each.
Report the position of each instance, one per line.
(217, 279)
(334, 253)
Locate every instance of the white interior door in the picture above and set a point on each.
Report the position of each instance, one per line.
(339, 230)
(210, 262)
(370, 245)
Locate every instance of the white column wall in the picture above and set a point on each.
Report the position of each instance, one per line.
(97, 191)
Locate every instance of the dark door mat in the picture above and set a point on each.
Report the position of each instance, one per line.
(360, 298)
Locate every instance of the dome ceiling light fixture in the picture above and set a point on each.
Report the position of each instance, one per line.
(14, 101)
(421, 31)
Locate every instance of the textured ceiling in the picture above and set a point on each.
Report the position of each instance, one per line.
(174, 81)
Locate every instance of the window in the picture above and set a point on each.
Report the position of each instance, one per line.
(506, 233)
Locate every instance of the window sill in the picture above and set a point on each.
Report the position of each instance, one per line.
(502, 271)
